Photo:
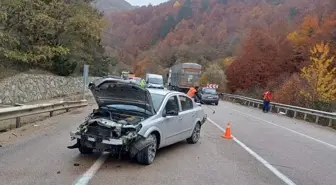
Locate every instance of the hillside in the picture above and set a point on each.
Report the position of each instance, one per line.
(259, 44)
(109, 6)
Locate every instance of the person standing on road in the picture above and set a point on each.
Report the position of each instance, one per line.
(192, 91)
(267, 99)
(143, 83)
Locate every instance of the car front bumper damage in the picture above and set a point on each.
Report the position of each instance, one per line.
(131, 144)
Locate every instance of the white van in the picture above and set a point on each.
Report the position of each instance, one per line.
(154, 81)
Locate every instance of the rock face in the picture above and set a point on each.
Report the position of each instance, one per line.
(25, 88)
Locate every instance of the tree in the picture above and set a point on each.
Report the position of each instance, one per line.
(215, 75)
(41, 33)
(320, 75)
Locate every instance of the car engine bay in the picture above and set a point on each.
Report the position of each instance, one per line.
(105, 123)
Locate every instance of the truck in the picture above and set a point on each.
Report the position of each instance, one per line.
(182, 76)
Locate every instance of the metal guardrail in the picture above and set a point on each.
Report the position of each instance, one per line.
(28, 110)
(250, 101)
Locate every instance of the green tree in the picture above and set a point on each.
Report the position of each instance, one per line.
(168, 24)
(51, 34)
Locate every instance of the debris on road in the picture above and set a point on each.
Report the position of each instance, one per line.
(76, 164)
(58, 172)
(14, 134)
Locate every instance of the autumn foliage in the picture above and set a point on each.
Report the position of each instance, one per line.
(320, 75)
(258, 44)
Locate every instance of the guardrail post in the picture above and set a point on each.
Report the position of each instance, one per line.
(278, 109)
(51, 114)
(305, 117)
(330, 122)
(286, 111)
(295, 114)
(317, 120)
(18, 122)
(271, 108)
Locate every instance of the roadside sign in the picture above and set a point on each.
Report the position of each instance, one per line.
(213, 86)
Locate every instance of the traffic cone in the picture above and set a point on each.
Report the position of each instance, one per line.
(227, 133)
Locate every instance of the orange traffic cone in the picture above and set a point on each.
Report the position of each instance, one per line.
(227, 134)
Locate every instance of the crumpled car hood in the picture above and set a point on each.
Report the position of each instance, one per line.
(108, 91)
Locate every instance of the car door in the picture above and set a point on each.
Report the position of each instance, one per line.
(171, 123)
(187, 117)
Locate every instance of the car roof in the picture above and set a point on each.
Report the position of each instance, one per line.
(163, 92)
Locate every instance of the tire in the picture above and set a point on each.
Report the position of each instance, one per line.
(195, 136)
(85, 150)
(216, 103)
(147, 155)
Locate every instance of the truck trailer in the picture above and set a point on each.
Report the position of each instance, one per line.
(183, 76)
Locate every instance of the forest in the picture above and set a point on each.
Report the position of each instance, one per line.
(56, 36)
(245, 46)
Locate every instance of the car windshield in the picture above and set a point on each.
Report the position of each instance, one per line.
(157, 100)
(155, 81)
(209, 91)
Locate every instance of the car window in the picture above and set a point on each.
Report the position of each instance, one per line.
(155, 81)
(172, 104)
(209, 91)
(157, 100)
(186, 103)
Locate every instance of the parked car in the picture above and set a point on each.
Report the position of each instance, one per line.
(137, 121)
(208, 95)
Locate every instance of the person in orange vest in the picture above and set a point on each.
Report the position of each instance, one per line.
(267, 99)
(192, 91)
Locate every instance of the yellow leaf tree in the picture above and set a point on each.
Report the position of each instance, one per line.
(176, 4)
(320, 75)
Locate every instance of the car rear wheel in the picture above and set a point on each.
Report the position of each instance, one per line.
(85, 150)
(195, 135)
(216, 103)
(147, 155)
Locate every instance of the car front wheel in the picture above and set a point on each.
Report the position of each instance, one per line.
(147, 155)
(195, 135)
(85, 150)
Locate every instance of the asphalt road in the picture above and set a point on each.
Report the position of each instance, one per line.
(300, 152)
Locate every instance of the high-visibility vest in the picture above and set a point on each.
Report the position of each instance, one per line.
(192, 92)
(142, 83)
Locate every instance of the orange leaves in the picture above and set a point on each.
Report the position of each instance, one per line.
(289, 92)
(310, 26)
(140, 67)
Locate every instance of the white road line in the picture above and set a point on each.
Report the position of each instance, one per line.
(87, 176)
(301, 134)
(276, 172)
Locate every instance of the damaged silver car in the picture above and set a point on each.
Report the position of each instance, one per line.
(137, 121)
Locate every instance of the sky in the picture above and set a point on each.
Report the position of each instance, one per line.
(145, 2)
